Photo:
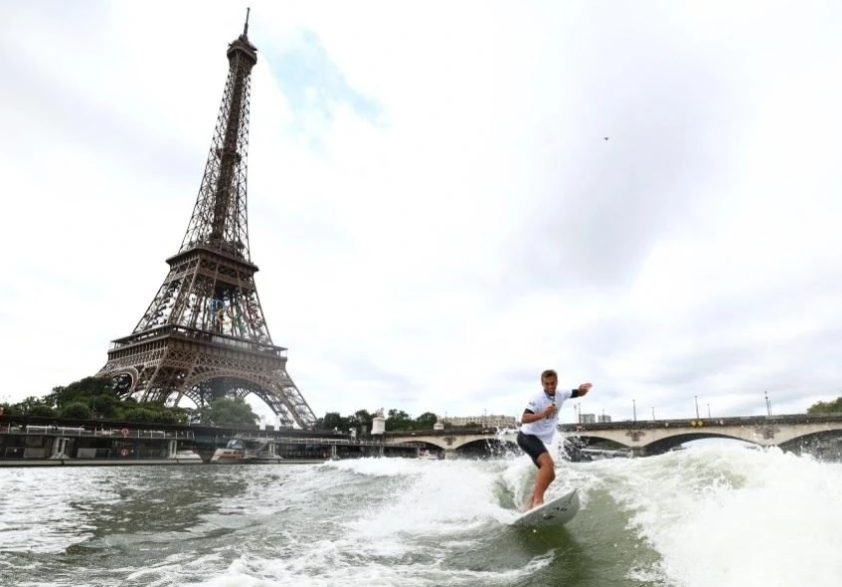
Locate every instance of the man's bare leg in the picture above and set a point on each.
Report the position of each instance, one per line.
(531, 503)
(546, 475)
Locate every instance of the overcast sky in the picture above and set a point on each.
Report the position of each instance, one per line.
(433, 204)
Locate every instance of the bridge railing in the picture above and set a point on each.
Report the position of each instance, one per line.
(695, 422)
(81, 431)
(312, 440)
(482, 431)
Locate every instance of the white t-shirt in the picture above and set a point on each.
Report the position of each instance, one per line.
(545, 428)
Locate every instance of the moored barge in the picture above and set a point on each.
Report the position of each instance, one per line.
(27, 441)
(54, 445)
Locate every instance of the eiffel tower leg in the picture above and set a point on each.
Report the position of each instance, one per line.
(290, 399)
(155, 374)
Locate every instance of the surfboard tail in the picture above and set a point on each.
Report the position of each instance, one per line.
(556, 512)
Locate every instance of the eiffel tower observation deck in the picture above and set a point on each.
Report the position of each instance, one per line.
(204, 335)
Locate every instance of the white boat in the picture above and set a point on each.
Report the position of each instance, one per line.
(244, 450)
(184, 456)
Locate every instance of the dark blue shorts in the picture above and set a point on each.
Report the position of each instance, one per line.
(532, 446)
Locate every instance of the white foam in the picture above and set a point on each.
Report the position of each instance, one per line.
(324, 574)
(382, 467)
(717, 516)
(397, 541)
(729, 517)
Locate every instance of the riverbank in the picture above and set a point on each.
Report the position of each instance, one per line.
(30, 463)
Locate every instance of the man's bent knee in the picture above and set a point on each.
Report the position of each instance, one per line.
(545, 460)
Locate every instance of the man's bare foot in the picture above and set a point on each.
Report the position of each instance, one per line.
(532, 504)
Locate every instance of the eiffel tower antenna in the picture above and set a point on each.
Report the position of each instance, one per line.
(204, 336)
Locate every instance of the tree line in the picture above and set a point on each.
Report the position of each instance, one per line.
(396, 421)
(95, 398)
(831, 407)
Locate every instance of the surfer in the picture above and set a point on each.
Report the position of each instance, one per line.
(538, 426)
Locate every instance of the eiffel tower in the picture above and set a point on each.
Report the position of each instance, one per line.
(204, 336)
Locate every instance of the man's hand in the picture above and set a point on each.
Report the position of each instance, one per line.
(549, 410)
(584, 388)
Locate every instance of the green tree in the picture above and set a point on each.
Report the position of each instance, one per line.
(832, 407)
(229, 412)
(333, 421)
(425, 421)
(99, 397)
(361, 420)
(105, 406)
(42, 410)
(175, 415)
(77, 410)
(140, 415)
(398, 420)
(81, 390)
(25, 407)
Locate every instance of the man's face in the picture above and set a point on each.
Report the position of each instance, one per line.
(549, 384)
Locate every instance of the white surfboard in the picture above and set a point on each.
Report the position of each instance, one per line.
(555, 512)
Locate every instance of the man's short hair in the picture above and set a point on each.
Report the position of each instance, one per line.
(548, 374)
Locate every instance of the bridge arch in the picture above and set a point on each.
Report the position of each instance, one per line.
(584, 439)
(805, 440)
(653, 448)
(666, 444)
(455, 441)
(663, 442)
(424, 445)
(484, 446)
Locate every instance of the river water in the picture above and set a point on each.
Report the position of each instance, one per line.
(719, 516)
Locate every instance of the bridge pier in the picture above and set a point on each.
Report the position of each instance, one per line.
(450, 453)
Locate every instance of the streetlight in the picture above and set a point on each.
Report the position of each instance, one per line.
(708, 411)
(634, 410)
(653, 414)
(697, 406)
(768, 404)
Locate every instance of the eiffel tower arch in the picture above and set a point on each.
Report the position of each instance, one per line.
(204, 335)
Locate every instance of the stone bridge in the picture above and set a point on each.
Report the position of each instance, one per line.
(642, 437)
(658, 436)
(455, 441)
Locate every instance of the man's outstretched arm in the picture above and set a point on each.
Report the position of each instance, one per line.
(581, 391)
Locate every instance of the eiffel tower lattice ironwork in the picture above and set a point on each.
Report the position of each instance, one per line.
(204, 335)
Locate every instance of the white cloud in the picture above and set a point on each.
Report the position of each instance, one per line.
(479, 231)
